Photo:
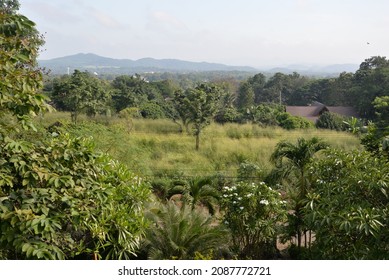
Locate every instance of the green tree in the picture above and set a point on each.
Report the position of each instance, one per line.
(348, 206)
(198, 106)
(180, 110)
(246, 96)
(376, 138)
(381, 106)
(292, 162)
(132, 91)
(20, 77)
(58, 197)
(370, 81)
(85, 93)
(181, 233)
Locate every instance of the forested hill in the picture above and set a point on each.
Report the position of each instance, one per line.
(99, 64)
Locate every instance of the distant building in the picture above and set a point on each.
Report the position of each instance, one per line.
(314, 111)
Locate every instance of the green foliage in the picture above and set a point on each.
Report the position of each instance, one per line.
(151, 110)
(9, 6)
(249, 172)
(254, 213)
(181, 233)
(198, 106)
(59, 199)
(288, 121)
(20, 78)
(198, 192)
(329, 120)
(265, 114)
(370, 81)
(347, 207)
(381, 106)
(292, 161)
(128, 92)
(81, 92)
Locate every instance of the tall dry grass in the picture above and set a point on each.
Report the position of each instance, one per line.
(156, 148)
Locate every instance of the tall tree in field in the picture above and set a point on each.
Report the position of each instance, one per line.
(201, 104)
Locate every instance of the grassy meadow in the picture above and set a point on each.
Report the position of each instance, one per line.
(157, 148)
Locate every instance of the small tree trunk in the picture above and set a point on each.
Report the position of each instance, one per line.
(197, 141)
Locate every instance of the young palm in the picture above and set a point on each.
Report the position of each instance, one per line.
(198, 192)
(291, 162)
(179, 233)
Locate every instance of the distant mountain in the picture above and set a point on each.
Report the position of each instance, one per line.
(105, 65)
(314, 70)
(99, 64)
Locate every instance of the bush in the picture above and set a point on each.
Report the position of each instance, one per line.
(182, 233)
(254, 213)
(151, 110)
(333, 121)
(59, 199)
(287, 121)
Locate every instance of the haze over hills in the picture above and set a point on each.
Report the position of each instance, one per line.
(99, 64)
(105, 65)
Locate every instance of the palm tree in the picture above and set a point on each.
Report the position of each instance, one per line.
(198, 191)
(179, 233)
(291, 162)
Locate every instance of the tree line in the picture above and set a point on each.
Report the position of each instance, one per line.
(237, 100)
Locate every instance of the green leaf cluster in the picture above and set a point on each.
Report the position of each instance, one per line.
(347, 208)
(59, 199)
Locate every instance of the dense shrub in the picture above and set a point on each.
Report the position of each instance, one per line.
(288, 121)
(151, 110)
(254, 213)
(62, 200)
(332, 121)
(347, 208)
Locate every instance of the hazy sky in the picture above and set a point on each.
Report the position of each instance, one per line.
(236, 32)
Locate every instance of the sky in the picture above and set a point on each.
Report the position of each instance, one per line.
(257, 33)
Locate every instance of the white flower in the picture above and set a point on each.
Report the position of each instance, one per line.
(241, 208)
(264, 202)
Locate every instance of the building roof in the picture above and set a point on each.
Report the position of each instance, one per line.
(312, 113)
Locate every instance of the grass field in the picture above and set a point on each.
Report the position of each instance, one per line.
(156, 148)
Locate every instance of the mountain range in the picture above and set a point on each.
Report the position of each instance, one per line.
(105, 65)
(99, 64)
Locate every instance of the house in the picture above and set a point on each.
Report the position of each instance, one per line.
(314, 111)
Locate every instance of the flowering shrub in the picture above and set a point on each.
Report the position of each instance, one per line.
(254, 214)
